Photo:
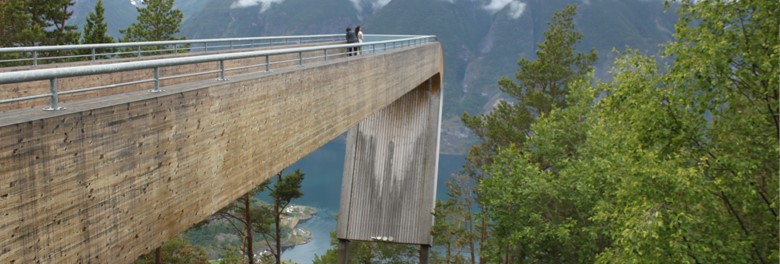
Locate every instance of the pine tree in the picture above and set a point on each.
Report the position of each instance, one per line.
(247, 215)
(286, 189)
(243, 214)
(541, 86)
(16, 24)
(36, 22)
(62, 33)
(52, 16)
(158, 21)
(96, 30)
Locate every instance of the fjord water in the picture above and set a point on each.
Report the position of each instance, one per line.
(321, 188)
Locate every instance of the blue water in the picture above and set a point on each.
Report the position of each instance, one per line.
(321, 188)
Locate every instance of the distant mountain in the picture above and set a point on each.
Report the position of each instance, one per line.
(482, 39)
(270, 18)
(483, 42)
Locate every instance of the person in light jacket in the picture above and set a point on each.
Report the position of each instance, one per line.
(359, 34)
(351, 38)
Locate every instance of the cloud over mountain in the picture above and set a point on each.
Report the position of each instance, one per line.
(516, 7)
(264, 4)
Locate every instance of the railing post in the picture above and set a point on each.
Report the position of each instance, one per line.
(35, 58)
(325, 51)
(93, 54)
(221, 70)
(267, 64)
(205, 46)
(156, 80)
(138, 51)
(231, 45)
(54, 105)
(300, 58)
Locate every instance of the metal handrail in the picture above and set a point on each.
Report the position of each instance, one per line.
(177, 45)
(53, 74)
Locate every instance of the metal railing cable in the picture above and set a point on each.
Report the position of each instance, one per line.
(54, 74)
(37, 54)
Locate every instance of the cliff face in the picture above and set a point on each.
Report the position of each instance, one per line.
(482, 39)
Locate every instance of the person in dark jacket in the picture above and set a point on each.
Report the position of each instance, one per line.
(351, 38)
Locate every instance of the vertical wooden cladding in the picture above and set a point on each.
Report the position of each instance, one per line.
(112, 178)
(389, 182)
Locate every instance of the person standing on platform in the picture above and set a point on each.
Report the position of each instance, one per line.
(359, 33)
(351, 38)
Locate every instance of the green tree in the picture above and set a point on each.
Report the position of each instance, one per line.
(177, 251)
(672, 164)
(541, 86)
(247, 215)
(453, 230)
(701, 139)
(52, 17)
(16, 24)
(157, 21)
(34, 23)
(541, 203)
(96, 30)
(230, 257)
(285, 189)
(15, 27)
(242, 215)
